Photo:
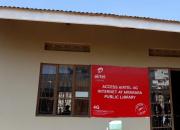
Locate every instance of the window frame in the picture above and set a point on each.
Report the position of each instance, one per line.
(55, 98)
(170, 94)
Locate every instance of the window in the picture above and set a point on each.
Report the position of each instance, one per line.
(164, 52)
(66, 47)
(161, 102)
(64, 90)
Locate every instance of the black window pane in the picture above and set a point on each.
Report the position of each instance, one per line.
(45, 106)
(162, 121)
(47, 80)
(65, 90)
(160, 100)
(81, 107)
(82, 78)
(46, 92)
(65, 78)
(82, 85)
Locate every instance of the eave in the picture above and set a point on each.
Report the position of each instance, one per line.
(59, 16)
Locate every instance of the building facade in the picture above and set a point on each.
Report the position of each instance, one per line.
(23, 50)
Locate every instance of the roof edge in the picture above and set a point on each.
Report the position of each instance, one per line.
(91, 13)
(86, 18)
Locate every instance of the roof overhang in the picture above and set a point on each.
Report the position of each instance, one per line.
(14, 13)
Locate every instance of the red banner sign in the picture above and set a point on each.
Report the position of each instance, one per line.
(120, 92)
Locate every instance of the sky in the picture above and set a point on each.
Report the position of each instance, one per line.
(161, 9)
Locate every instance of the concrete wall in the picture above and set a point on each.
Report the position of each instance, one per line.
(21, 52)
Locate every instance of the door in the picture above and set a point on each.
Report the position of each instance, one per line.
(175, 83)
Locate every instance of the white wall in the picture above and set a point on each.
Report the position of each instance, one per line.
(21, 52)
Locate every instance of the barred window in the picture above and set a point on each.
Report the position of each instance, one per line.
(161, 103)
(64, 90)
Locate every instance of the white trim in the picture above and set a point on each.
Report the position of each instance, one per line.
(75, 18)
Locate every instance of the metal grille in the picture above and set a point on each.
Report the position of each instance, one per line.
(161, 100)
(47, 85)
(64, 90)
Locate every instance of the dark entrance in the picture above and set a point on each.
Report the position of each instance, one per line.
(175, 82)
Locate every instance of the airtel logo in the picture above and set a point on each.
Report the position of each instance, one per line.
(100, 70)
(100, 76)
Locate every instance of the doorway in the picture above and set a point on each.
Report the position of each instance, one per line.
(175, 83)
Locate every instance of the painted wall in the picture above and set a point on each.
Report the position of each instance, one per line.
(21, 52)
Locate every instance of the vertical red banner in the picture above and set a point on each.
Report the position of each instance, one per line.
(120, 92)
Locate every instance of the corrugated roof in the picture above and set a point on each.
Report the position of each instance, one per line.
(92, 13)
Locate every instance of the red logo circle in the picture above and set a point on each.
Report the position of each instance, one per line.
(140, 108)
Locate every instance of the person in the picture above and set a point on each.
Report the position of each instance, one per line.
(66, 110)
